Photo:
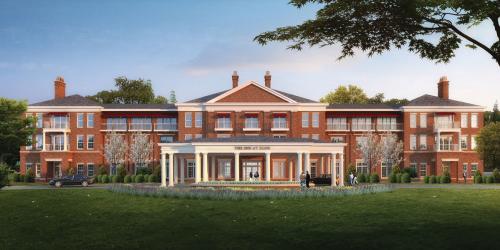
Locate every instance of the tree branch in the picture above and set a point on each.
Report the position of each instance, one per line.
(494, 19)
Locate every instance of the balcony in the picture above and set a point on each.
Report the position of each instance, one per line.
(362, 127)
(449, 147)
(390, 127)
(447, 126)
(165, 127)
(140, 127)
(54, 126)
(114, 126)
(337, 127)
(56, 147)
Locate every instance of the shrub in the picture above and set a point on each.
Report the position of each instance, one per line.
(98, 178)
(143, 171)
(102, 170)
(478, 179)
(71, 171)
(127, 179)
(393, 178)
(121, 172)
(21, 177)
(350, 169)
(29, 177)
(496, 175)
(146, 177)
(133, 178)
(362, 178)
(157, 171)
(426, 179)
(405, 178)
(432, 179)
(489, 179)
(114, 178)
(396, 170)
(4, 175)
(16, 177)
(139, 178)
(438, 179)
(152, 178)
(446, 178)
(104, 178)
(398, 178)
(374, 178)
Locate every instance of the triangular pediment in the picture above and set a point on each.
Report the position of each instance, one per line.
(251, 92)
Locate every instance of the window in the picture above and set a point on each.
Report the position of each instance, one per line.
(79, 120)
(251, 121)
(305, 119)
(190, 168)
(423, 142)
(463, 120)
(473, 168)
(361, 140)
(223, 135)
(386, 123)
(463, 142)
(39, 120)
(413, 165)
(80, 169)
(464, 168)
(90, 169)
(386, 169)
(423, 120)
(336, 123)
(473, 142)
(90, 142)
(473, 120)
(422, 171)
(364, 123)
(188, 137)
(39, 141)
(29, 166)
(59, 122)
(198, 136)
(141, 123)
(279, 121)
(279, 169)
(361, 167)
(90, 120)
(315, 136)
(413, 120)
(116, 123)
(38, 170)
(166, 123)
(188, 119)
(79, 141)
(314, 169)
(166, 138)
(413, 142)
(337, 139)
(279, 136)
(198, 119)
(305, 136)
(224, 168)
(29, 142)
(315, 119)
(223, 121)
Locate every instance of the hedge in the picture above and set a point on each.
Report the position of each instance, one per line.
(432, 179)
(374, 178)
(392, 178)
(127, 179)
(139, 178)
(405, 178)
(104, 178)
(152, 178)
(426, 179)
(489, 179)
(478, 179)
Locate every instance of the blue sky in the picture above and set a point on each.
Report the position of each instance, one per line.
(192, 47)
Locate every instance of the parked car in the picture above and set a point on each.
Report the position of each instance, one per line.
(325, 179)
(70, 180)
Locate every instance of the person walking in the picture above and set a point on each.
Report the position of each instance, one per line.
(251, 176)
(256, 176)
(308, 179)
(351, 177)
(302, 178)
(465, 177)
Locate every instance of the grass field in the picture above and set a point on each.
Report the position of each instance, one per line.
(99, 219)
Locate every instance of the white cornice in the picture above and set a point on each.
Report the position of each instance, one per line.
(444, 108)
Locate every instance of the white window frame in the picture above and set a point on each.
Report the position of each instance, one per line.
(464, 120)
(251, 122)
(413, 120)
(305, 136)
(223, 122)
(279, 169)
(38, 170)
(423, 142)
(462, 137)
(305, 119)
(39, 142)
(78, 137)
(188, 119)
(315, 119)
(39, 120)
(79, 120)
(423, 120)
(28, 166)
(93, 169)
(474, 122)
(224, 171)
(315, 136)
(473, 168)
(169, 136)
(473, 142)
(337, 139)
(90, 120)
(361, 165)
(198, 119)
(188, 137)
(198, 136)
(78, 165)
(190, 168)
(422, 168)
(88, 142)
(280, 123)
(413, 142)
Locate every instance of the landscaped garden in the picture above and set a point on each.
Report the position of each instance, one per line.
(99, 219)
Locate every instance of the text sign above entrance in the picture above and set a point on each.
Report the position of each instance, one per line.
(252, 148)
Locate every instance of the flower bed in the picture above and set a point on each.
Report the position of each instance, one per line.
(245, 183)
(238, 193)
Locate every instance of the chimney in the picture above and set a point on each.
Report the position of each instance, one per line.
(235, 79)
(59, 88)
(267, 79)
(443, 88)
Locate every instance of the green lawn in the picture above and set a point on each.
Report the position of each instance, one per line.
(97, 219)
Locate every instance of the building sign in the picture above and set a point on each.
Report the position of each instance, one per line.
(254, 148)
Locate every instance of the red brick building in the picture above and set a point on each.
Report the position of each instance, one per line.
(252, 128)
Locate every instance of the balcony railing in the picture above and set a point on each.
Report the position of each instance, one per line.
(140, 126)
(114, 126)
(337, 126)
(449, 147)
(165, 127)
(446, 125)
(56, 125)
(56, 147)
(390, 127)
(362, 126)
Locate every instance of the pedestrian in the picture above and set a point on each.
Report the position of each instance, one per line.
(251, 176)
(302, 178)
(256, 176)
(308, 179)
(355, 180)
(465, 177)
(351, 177)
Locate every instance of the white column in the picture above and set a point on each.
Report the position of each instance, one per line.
(333, 169)
(182, 169)
(308, 162)
(197, 176)
(213, 168)
(163, 170)
(268, 166)
(176, 170)
(290, 170)
(43, 139)
(438, 141)
(322, 169)
(66, 141)
(341, 177)
(459, 142)
(299, 166)
(171, 169)
(236, 166)
(205, 166)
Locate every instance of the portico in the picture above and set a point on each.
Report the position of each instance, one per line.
(249, 159)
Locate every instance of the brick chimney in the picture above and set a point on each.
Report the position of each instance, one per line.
(267, 79)
(443, 88)
(59, 88)
(235, 77)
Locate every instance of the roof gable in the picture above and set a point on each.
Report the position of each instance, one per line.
(252, 92)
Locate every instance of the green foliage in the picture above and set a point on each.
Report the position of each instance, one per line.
(71, 171)
(172, 97)
(98, 178)
(120, 171)
(16, 129)
(478, 179)
(396, 170)
(143, 171)
(130, 91)
(157, 171)
(102, 170)
(350, 169)
(496, 175)
(355, 94)
(30, 176)
(133, 178)
(104, 178)
(127, 179)
(374, 178)
(362, 178)
(433, 179)
(489, 179)
(393, 178)
(398, 177)
(492, 116)
(488, 145)
(438, 179)
(405, 178)
(139, 178)
(4, 175)
(426, 179)
(430, 29)
(152, 179)
(445, 178)
(146, 177)
(114, 179)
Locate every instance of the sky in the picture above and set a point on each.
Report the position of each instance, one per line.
(192, 47)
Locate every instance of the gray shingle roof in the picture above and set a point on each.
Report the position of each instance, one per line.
(139, 106)
(256, 139)
(72, 100)
(212, 96)
(296, 98)
(430, 100)
(362, 106)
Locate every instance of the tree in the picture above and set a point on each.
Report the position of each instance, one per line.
(431, 29)
(353, 94)
(492, 116)
(371, 150)
(129, 91)
(141, 150)
(16, 129)
(4, 173)
(392, 149)
(488, 145)
(115, 150)
(173, 98)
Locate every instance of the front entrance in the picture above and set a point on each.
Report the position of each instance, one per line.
(54, 169)
(452, 168)
(251, 169)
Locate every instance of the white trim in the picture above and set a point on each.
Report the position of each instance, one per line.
(443, 108)
(234, 90)
(449, 159)
(360, 109)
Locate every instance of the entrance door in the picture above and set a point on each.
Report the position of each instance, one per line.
(57, 169)
(251, 167)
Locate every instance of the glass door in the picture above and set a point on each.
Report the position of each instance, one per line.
(57, 169)
(251, 170)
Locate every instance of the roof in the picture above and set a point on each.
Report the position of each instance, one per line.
(430, 100)
(257, 139)
(207, 98)
(296, 98)
(72, 100)
(362, 106)
(139, 106)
